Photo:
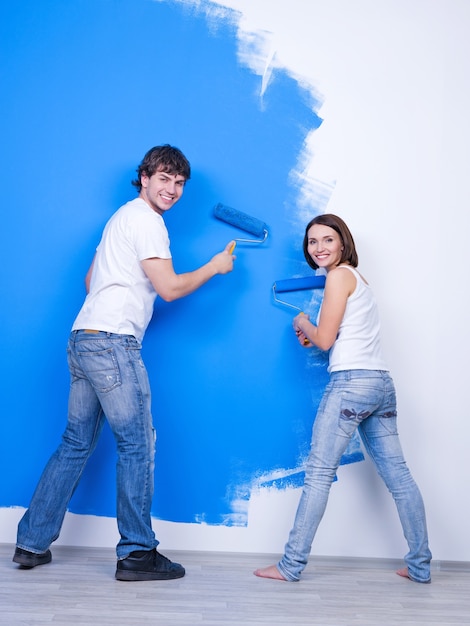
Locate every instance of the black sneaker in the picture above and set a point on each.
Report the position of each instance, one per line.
(148, 565)
(30, 559)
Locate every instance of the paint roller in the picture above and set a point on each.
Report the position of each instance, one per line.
(297, 284)
(243, 221)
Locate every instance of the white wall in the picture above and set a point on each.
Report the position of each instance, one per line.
(394, 142)
(395, 139)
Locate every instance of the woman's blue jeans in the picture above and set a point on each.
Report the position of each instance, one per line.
(364, 400)
(108, 381)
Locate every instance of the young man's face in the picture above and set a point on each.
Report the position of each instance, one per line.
(162, 190)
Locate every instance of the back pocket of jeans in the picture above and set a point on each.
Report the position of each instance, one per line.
(101, 369)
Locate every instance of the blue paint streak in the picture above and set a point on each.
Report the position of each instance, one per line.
(88, 87)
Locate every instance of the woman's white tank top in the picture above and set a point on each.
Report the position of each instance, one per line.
(357, 345)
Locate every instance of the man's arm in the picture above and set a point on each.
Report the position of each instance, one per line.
(170, 286)
(88, 276)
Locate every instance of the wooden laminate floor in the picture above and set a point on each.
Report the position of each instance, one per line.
(219, 589)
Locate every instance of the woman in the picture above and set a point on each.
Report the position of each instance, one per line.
(360, 395)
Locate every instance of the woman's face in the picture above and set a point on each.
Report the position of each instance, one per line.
(324, 246)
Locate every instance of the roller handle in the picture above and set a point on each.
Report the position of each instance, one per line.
(306, 341)
(298, 284)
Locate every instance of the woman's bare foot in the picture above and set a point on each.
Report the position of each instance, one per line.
(403, 572)
(269, 572)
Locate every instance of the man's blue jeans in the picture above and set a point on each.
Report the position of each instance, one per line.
(108, 381)
(364, 400)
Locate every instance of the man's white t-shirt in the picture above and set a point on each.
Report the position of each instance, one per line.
(121, 297)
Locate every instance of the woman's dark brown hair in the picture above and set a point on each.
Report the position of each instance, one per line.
(349, 254)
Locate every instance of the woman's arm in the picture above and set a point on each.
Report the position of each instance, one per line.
(338, 287)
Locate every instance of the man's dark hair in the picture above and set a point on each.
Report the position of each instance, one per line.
(164, 158)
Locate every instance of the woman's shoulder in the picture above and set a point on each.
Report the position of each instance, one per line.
(338, 274)
(352, 270)
(339, 279)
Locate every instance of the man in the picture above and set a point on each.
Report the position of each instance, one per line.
(132, 265)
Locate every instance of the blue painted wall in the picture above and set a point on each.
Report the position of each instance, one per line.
(87, 88)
